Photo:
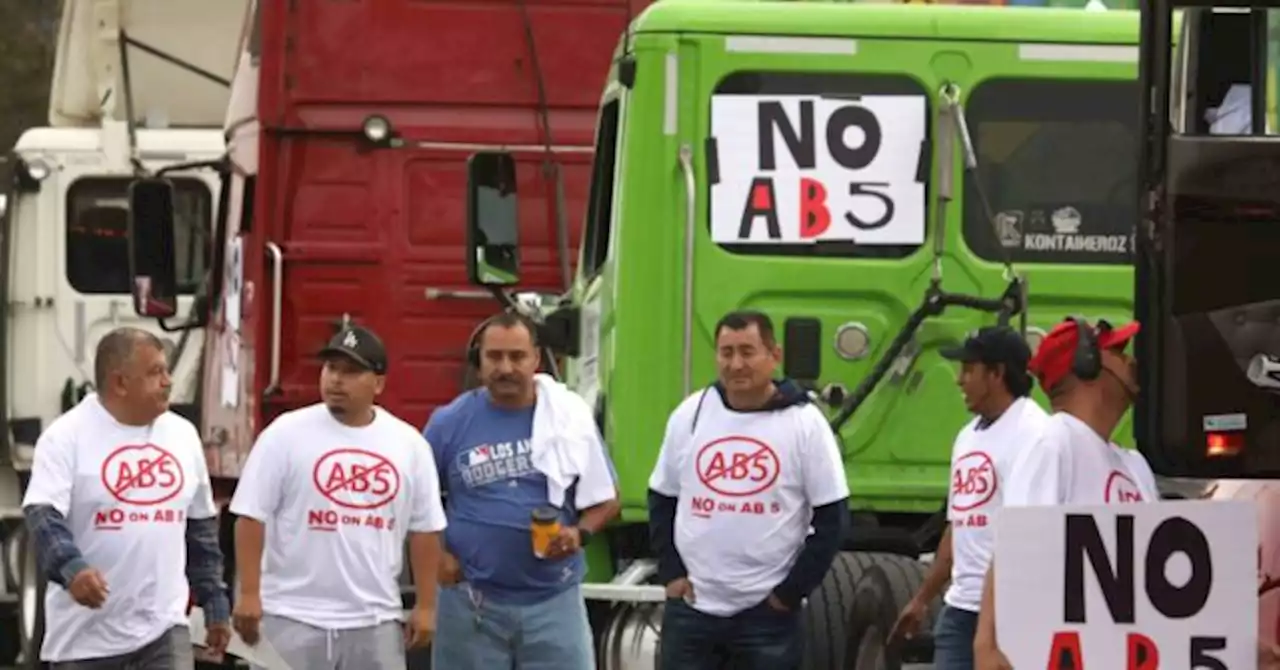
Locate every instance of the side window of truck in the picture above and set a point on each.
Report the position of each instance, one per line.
(1057, 160)
(595, 241)
(97, 251)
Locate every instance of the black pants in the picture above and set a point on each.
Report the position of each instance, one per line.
(759, 638)
(171, 651)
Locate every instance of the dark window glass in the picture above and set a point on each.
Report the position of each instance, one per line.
(1058, 162)
(97, 225)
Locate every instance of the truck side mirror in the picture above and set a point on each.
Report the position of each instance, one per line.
(493, 227)
(151, 248)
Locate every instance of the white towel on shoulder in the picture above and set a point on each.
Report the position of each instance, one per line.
(565, 446)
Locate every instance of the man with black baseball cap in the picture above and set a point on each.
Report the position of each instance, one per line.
(994, 382)
(342, 483)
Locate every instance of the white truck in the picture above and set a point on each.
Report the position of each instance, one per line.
(138, 85)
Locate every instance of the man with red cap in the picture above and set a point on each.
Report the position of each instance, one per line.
(1091, 382)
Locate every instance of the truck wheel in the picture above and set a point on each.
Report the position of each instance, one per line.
(882, 592)
(831, 605)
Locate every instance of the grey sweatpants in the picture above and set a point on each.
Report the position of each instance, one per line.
(306, 647)
(171, 651)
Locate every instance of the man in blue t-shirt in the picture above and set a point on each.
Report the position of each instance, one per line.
(501, 606)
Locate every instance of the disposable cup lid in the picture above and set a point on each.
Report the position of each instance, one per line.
(545, 515)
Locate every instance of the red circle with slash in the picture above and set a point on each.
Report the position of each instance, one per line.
(142, 474)
(356, 478)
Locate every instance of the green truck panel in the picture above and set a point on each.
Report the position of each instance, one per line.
(1052, 124)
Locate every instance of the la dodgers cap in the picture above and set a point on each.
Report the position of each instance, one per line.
(360, 345)
(1053, 360)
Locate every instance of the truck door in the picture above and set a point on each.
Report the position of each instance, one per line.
(1206, 284)
(814, 215)
(375, 231)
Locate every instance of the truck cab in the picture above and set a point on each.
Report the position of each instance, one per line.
(810, 161)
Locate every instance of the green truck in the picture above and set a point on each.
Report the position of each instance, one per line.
(881, 179)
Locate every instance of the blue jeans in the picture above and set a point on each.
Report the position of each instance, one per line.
(759, 638)
(953, 639)
(473, 633)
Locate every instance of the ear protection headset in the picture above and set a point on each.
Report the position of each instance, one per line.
(473, 344)
(1087, 361)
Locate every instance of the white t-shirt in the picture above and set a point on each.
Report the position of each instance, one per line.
(338, 503)
(126, 493)
(746, 485)
(1072, 465)
(981, 461)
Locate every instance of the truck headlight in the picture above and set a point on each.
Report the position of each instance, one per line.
(377, 129)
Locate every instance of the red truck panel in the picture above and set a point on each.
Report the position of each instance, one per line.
(369, 232)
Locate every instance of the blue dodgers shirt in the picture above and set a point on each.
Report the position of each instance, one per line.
(482, 454)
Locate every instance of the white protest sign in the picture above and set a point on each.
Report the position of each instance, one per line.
(1167, 586)
(798, 169)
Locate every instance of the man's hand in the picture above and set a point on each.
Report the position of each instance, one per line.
(1268, 656)
(89, 588)
(219, 636)
(681, 588)
(450, 571)
(989, 657)
(420, 628)
(909, 621)
(776, 603)
(246, 617)
(565, 544)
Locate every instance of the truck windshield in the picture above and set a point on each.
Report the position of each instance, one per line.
(97, 258)
(1057, 159)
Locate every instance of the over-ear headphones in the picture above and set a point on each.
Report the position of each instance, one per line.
(473, 343)
(1087, 361)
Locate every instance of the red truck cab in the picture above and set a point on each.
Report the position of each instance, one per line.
(349, 130)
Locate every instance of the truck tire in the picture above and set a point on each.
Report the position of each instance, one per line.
(882, 592)
(832, 605)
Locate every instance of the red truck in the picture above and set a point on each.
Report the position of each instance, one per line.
(344, 191)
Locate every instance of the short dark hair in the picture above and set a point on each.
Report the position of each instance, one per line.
(744, 319)
(116, 348)
(508, 320)
(1017, 381)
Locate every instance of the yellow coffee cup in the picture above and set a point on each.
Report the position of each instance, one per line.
(544, 525)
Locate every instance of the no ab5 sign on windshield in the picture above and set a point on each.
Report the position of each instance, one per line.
(1164, 586)
(804, 169)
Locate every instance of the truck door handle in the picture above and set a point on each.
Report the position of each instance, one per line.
(277, 307)
(436, 293)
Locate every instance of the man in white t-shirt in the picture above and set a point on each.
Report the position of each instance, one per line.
(122, 513)
(1091, 383)
(993, 378)
(747, 508)
(326, 500)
